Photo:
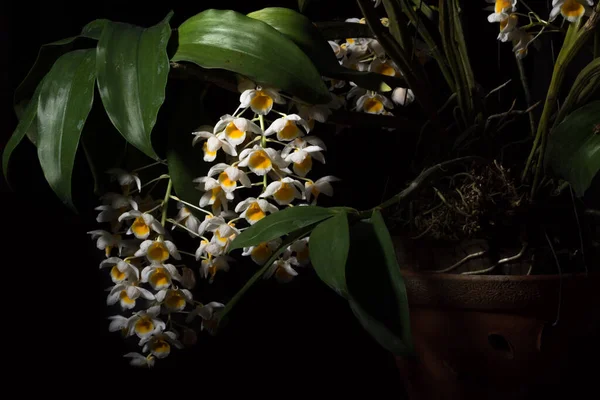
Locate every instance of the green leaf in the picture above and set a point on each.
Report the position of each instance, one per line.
(309, 39)
(302, 32)
(94, 29)
(46, 57)
(280, 223)
(64, 102)
(573, 151)
(289, 239)
(376, 290)
(25, 124)
(232, 41)
(586, 83)
(133, 67)
(328, 249)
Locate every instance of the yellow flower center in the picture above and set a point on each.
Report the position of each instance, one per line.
(225, 181)
(572, 8)
(161, 346)
(233, 132)
(304, 166)
(107, 250)
(261, 101)
(215, 194)
(144, 325)
(117, 275)
(160, 278)
(139, 227)
(259, 160)
(207, 152)
(175, 300)
(254, 212)
(501, 5)
(212, 270)
(261, 253)
(126, 299)
(373, 105)
(158, 251)
(290, 131)
(285, 192)
(386, 69)
(221, 239)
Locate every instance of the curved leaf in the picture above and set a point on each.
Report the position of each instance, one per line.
(133, 67)
(586, 83)
(26, 123)
(229, 40)
(64, 102)
(94, 29)
(573, 151)
(376, 290)
(280, 223)
(302, 32)
(47, 56)
(309, 39)
(328, 249)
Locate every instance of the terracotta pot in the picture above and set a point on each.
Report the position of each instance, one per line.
(493, 336)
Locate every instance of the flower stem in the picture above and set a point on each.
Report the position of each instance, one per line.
(149, 165)
(574, 40)
(190, 205)
(528, 100)
(263, 144)
(171, 220)
(292, 237)
(166, 202)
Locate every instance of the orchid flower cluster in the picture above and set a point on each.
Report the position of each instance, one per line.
(273, 162)
(267, 159)
(139, 256)
(505, 13)
(367, 54)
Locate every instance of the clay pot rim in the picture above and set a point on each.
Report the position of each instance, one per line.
(406, 273)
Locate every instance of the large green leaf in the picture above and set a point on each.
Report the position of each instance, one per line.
(65, 100)
(229, 40)
(302, 32)
(47, 55)
(573, 151)
(93, 30)
(309, 39)
(133, 67)
(328, 249)
(376, 290)
(280, 223)
(25, 124)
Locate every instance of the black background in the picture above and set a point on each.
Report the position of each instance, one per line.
(300, 334)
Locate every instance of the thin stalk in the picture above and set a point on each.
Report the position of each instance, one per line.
(163, 218)
(428, 39)
(528, 99)
(292, 237)
(574, 40)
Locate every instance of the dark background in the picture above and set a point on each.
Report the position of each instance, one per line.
(299, 334)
